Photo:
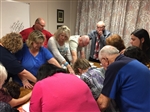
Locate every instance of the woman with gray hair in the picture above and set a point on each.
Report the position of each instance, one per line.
(33, 54)
(59, 46)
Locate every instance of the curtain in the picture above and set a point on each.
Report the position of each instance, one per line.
(120, 16)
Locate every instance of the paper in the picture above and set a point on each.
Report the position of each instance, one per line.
(26, 107)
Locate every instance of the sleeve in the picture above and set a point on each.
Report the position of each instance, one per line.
(12, 65)
(91, 35)
(111, 85)
(73, 45)
(36, 98)
(48, 55)
(53, 48)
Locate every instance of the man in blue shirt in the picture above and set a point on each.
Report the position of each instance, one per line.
(126, 81)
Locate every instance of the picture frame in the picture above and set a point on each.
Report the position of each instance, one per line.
(60, 16)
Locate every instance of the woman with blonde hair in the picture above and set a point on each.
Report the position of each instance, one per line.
(33, 54)
(10, 44)
(59, 46)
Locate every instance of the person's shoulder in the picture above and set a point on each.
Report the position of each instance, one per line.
(27, 29)
(93, 31)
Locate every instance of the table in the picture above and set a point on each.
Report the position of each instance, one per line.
(98, 65)
(23, 92)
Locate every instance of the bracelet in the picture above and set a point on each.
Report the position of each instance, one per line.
(65, 64)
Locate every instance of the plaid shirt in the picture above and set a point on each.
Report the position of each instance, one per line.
(94, 78)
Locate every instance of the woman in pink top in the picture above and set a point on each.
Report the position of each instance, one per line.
(57, 91)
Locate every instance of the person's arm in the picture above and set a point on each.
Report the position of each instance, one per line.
(103, 102)
(74, 56)
(54, 61)
(25, 82)
(19, 101)
(82, 54)
(26, 74)
(53, 48)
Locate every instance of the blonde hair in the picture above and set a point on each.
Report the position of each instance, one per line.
(62, 29)
(81, 63)
(12, 41)
(34, 36)
(3, 75)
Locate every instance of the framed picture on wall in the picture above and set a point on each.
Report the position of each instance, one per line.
(60, 16)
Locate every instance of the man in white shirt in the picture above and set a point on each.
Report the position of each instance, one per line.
(77, 44)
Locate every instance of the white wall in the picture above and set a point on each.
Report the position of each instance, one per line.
(47, 9)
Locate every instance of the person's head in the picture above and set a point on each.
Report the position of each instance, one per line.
(39, 24)
(100, 27)
(140, 38)
(81, 65)
(107, 55)
(137, 53)
(13, 89)
(84, 40)
(3, 75)
(47, 70)
(12, 42)
(62, 34)
(116, 41)
(35, 39)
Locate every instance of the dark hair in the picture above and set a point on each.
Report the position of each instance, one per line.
(142, 33)
(13, 89)
(48, 70)
(137, 53)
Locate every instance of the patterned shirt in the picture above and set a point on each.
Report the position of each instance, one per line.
(94, 79)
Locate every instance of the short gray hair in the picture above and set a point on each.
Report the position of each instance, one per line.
(108, 50)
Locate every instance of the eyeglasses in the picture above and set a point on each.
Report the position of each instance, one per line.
(41, 25)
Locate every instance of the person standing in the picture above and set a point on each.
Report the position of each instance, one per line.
(38, 25)
(77, 44)
(126, 81)
(97, 37)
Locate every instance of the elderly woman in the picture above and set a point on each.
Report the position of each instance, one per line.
(10, 44)
(33, 55)
(59, 46)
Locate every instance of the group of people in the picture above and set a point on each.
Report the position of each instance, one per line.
(37, 59)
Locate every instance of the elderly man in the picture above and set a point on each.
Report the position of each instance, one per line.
(98, 37)
(38, 25)
(76, 43)
(126, 81)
